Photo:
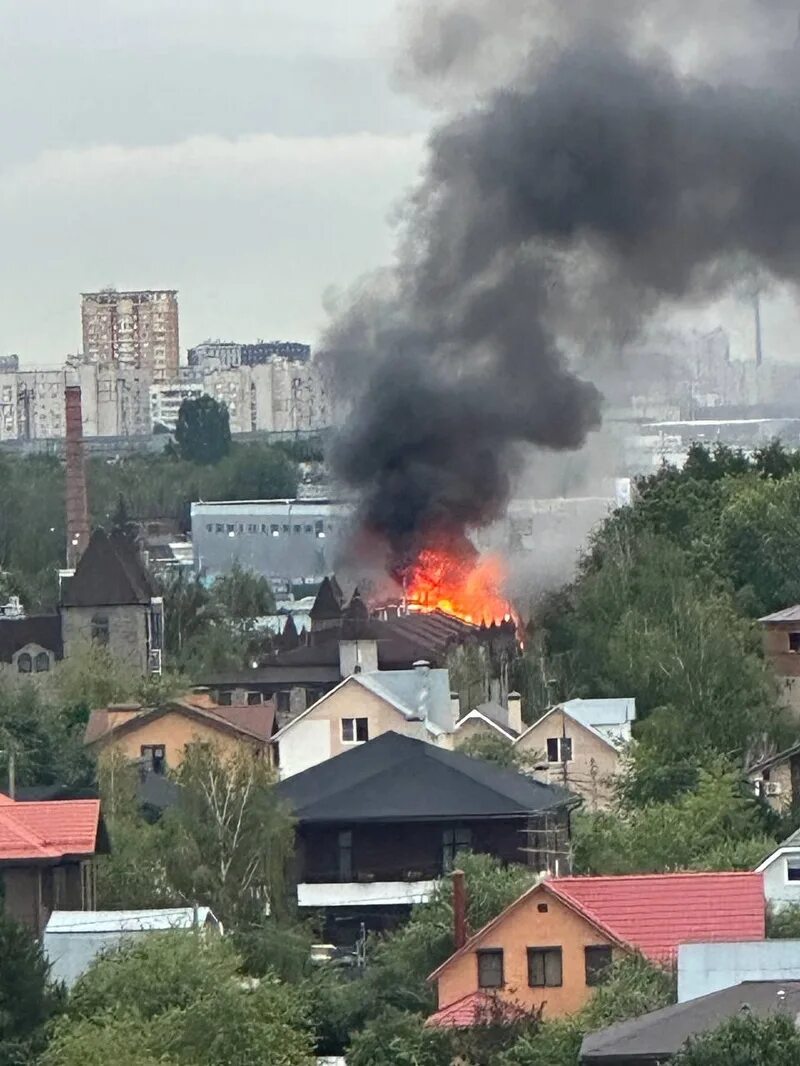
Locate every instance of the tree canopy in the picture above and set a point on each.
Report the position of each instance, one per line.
(203, 430)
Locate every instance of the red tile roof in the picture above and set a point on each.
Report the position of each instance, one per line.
(48, 830)
(654, 913)
(472, 1009)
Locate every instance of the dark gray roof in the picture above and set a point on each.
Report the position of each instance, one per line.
(110, 573)
(659, 1035)
(397, 779)
(300, 674)
(41, 629)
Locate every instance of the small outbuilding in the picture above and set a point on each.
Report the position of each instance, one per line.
(74, 939)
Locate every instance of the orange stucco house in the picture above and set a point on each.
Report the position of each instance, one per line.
(158, 736)
(550, 946)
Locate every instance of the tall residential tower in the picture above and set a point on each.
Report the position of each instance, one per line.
(132, 330)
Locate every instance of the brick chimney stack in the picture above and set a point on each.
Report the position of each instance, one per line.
(77, 506)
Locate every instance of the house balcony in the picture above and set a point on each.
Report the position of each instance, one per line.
(364, 893)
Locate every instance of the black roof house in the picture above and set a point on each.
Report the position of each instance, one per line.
(395, 778)
(41, 629)
(110, 573)
(658, 1036)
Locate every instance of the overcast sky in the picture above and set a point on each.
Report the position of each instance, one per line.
(246, 152)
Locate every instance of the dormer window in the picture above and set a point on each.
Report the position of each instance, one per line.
(24, 663)
(41, 663)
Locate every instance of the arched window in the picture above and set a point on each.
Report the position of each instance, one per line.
(100, 628)
(41, 663)
(24, 663)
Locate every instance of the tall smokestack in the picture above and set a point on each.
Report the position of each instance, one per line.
(77, 505)
(459, 909)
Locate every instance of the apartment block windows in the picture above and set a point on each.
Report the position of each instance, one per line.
(453, 842)
(355, 730)
(559, 749)
(544, 967)
(490, 968)
(597, 959)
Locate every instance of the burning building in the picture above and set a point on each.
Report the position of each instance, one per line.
(596, 186)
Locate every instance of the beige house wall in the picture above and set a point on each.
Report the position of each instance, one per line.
(175, 732)
(526, 927)
(593, 761)
(349, 700)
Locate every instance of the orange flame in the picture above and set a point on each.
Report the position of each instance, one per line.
(469, 588)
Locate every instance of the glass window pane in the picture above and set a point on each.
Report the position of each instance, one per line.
(490, 969)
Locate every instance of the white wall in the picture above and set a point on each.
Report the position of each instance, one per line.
(777, 889)
(705, 968)
(305, 745)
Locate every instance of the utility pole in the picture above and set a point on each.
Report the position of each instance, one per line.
(759, 340)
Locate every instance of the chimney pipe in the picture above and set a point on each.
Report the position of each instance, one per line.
(459, 909)
(77, 506)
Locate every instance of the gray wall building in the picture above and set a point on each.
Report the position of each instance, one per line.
(287, 541)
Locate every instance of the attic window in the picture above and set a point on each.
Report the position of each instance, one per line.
(99, 629)
(794, 641)
(559, 749)
(355, 730)
(24, 663)
(793, 869)
(490, 969)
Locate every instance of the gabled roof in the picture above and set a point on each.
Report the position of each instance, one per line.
(788, 614)
(659, 1035)
(247, 722)
(402, 690)
(653, 913)
(479, 715)
(49, 830)
(41, 629)
(136, 921)
(789, 846)
(396, 779)
(581, 725)
(110, 573)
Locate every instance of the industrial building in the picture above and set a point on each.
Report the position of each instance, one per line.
(291, 542)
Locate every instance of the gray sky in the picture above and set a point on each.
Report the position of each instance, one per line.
(246, 152)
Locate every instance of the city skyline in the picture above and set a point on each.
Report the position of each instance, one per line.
(253, 170)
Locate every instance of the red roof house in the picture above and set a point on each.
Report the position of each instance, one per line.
(46, 857)
(549, 947)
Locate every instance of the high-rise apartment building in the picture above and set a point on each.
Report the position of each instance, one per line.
(132, 330)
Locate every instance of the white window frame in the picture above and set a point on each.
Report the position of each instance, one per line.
(560, 760)
(786, 860)
(353, 722)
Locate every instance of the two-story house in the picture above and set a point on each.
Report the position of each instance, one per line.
(378, 825)
(549, 948)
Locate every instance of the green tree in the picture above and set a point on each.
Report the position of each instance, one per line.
(233, 837)
(45, 741)
(134, 874)
(180, 998)
(699, 829)
(496, 749)
(28, 1001)
(397, 1038)
(783, 923)
(203, 431)
(745, 1040)
(241, 595)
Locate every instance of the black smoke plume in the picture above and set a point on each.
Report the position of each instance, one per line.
(598, 187)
